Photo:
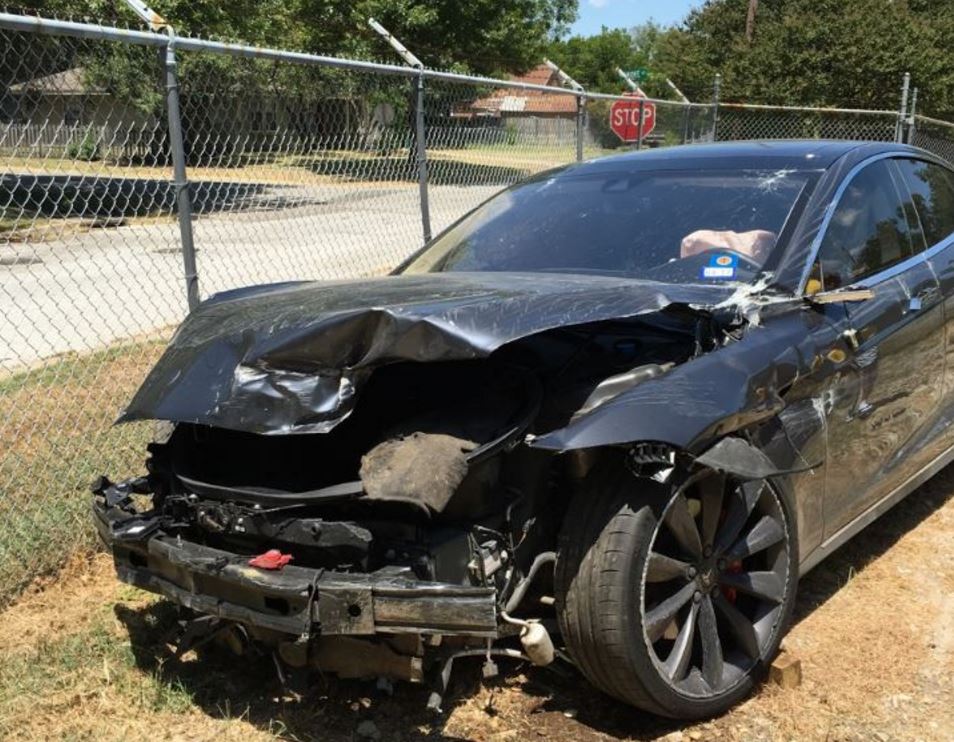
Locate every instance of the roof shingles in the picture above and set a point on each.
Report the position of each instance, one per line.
(515, 101)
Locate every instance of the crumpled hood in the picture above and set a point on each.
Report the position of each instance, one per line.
(290, 358)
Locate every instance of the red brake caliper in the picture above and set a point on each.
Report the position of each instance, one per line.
(733, 568)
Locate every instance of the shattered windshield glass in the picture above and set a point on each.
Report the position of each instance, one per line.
(679, 226)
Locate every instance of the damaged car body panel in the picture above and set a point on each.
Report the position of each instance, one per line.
(744, 383)
(729, 353)
(290, 360)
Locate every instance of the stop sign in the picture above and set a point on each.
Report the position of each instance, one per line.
(624, 118)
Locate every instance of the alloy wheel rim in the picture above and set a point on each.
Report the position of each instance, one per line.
(714, 584)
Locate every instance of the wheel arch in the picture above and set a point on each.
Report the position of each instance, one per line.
(786, 449)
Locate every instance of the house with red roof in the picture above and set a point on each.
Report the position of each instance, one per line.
(508, 103)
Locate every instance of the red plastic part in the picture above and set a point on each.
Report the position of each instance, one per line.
(271, 559)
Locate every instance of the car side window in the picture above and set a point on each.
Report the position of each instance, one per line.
(932, 188)
(868, 231)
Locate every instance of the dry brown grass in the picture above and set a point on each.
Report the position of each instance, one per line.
(83, 657)
(66, 603)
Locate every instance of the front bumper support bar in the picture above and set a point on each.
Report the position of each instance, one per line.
(294, 600)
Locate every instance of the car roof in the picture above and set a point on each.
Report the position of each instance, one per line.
(798, 154)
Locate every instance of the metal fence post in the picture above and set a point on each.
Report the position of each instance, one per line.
(419, 128)
(903, 111)
(180, 181)
(580, 104)
(580, 125)
(422, 158)
(639, 126)
(912, 116)
(716, 91)
(685, 122)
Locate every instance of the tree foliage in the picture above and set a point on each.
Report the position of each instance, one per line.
(808, 52)
(223, 96)
(816, 52)
(484, 36)
(592, 60)
(801, 52)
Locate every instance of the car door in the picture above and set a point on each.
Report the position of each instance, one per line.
(932, 189)
(881, 401)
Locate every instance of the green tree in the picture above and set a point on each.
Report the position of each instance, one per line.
(816, 52)
(223, 97)
(592, 60)
(485, 36)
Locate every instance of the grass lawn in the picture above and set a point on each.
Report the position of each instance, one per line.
(56, 436)
(323, 167)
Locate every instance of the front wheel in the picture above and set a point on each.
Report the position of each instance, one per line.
(676, 610)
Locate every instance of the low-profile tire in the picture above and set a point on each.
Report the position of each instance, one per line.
(674, 598)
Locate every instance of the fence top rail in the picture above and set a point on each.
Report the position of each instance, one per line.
(655, 101)
(50, 26)
(929, 120)
(805, 109)
(53, 27)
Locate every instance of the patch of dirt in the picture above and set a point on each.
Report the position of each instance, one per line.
(61, 605)
(874, 631)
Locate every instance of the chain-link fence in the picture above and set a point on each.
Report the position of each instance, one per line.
(90, 282)
(773, 122)
(932, 135)
(141, 172)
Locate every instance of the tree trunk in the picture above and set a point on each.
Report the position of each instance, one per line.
(750, 20)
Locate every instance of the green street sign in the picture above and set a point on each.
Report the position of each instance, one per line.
(639, 75)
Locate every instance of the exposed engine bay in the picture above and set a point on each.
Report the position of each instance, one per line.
(421, 528)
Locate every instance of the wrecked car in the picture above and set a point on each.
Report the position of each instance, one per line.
(609, 417)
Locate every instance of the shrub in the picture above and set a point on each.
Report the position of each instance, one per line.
(86, 148)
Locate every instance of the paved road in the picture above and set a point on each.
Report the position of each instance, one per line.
(87, 290)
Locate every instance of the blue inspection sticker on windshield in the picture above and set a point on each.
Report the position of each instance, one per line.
(721, 266)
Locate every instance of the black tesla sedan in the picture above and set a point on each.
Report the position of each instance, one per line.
(608, 417)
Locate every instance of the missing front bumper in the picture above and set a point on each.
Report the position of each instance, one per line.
(295, 600)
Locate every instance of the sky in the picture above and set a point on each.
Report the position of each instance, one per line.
(628, 13)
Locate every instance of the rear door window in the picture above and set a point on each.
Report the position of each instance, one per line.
(932, 189)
